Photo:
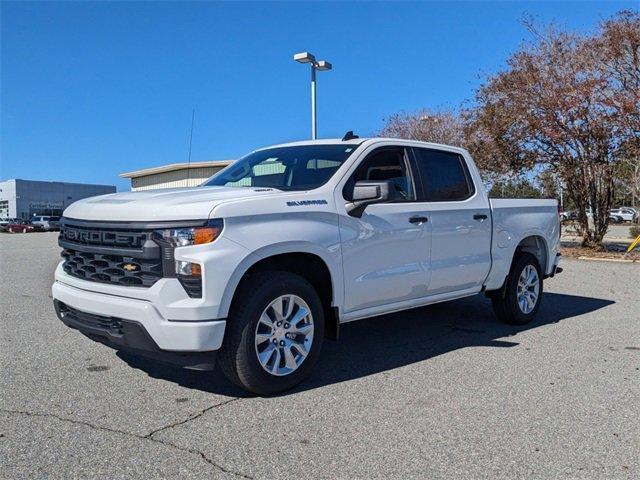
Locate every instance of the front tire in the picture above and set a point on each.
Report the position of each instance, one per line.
(274, 333)
(518, 301)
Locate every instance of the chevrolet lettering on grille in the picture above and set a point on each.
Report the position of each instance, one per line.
(103, 237)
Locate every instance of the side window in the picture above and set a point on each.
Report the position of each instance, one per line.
(384, 164)
(443, 175)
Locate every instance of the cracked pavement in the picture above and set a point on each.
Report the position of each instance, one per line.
(438, 392)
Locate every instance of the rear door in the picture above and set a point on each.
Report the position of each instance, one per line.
(460, 221)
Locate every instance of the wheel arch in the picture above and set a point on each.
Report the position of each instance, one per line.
(537, 246)
(533, 243)
(307, 262)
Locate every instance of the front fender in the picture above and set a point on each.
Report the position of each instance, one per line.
(331, 260)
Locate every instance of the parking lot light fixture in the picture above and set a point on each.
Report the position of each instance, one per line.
(304, 57)
(322, 65)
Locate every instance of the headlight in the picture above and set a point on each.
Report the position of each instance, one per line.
(188, 273)
(183, 237)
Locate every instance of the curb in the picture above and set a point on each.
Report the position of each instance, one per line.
(597, 259)
(606, 240)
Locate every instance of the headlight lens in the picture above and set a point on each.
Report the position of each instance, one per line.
(184, 237)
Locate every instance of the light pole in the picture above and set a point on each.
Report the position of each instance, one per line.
(306, 57)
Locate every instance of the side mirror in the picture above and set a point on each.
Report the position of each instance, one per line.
(367, 192)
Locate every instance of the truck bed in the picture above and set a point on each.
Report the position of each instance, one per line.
(516, 219)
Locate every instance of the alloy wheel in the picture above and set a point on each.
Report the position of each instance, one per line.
(284, 335)
(528, 289)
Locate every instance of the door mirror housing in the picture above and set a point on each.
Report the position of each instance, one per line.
(367, 192)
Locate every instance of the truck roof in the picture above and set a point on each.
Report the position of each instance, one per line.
(359, 141)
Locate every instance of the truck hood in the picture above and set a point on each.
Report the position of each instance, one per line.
(161, 205)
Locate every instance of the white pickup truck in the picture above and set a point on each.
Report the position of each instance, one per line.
(254, 268)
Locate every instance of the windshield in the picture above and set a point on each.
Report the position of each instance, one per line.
(303, 167)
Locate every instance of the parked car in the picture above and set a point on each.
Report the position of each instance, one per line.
(22, 226)
(613, 218)
(624, 214)
(5, 221)
(568, 215)
(275, 252)
(48, 224)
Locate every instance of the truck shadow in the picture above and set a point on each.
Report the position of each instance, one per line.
(387, 342)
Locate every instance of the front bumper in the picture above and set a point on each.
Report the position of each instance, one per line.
(166, 334)
(130, 336)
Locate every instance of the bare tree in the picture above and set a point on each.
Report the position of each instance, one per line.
(618, 48)
(628, 179)
(441, 126)
(559, 106)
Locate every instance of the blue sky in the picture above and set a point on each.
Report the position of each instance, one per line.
(91, 90)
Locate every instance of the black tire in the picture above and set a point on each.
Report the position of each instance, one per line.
(238, 359)
(505, 301)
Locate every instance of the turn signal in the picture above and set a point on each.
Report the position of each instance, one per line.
(205, 235)
(196, 271)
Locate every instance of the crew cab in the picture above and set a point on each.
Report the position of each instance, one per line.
(253, 269)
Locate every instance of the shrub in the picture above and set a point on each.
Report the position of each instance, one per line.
(634, 231)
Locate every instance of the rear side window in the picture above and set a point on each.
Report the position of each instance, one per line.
(443, 175)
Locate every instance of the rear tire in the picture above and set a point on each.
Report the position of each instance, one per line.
(518, 301)
(259, 316)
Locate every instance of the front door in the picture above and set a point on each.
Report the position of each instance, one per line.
(385, 252)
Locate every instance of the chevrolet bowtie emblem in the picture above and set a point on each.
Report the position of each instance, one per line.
(130, 267)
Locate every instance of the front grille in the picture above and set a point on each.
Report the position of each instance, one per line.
(121, 254)
(117, 256)
(109, 325)
(114, 269)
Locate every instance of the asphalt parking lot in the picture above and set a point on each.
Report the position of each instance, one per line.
(438, 392)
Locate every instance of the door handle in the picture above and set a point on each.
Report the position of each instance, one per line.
(479, 216)
(418, 220)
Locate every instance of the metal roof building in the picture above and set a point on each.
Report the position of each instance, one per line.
(174, 175)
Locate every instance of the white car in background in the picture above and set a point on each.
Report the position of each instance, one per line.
(48, 224)
(624, 214)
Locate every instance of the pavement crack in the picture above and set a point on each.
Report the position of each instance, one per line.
(69, 420)
(202, 455)
(191, 417)
(147, 437)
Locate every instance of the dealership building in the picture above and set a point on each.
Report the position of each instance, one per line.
(26, 198)
(174, 175)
